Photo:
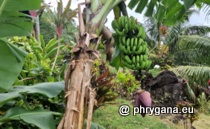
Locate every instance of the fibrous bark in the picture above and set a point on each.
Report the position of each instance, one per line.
(80, 96)
(78, 89)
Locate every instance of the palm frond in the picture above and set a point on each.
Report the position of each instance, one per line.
(206, 10)
(195, 41)
(198, 74)
(152, 28)
(196, 30)
(192, 57)
(172, 36)
(192, 50)
(190, 12)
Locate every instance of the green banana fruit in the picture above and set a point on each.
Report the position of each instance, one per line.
(128, 41)
(122, 22)
(129, 49)
(132, 42)
(138, 58)
(141, 41)
(120, 19)
(143, 65)
(139, 31)
(130, 25)
(143, 33)
(149, 64)
(126, 28)
(141, 58)
(127, 65)
(115, 25)
(134, 59)
(123, 39)
(127, 58)
(144, 49)
(133, 49)
(136, 42)
(125, 50)
(121, 33)
(139, 51)
(121, 47)
(138, 65)
(145, 57)
(132, 22)
(126, 19)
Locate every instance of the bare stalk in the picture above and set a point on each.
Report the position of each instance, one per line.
(57, 53)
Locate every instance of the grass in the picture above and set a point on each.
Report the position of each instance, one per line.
(109, 117)
(202, 122)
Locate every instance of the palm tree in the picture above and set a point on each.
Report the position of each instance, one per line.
(190, 48)
(188, 45)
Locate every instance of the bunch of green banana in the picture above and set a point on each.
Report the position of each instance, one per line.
(136, 62)
(131, 41)
(132, 45)
(128, 26)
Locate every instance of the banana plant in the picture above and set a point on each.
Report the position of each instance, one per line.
(166, 11)
(13, 23)
(80, 96)
(16, 106)
(37, 65)
(79, 71)
(189, 45)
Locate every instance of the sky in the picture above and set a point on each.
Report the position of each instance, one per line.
(195, 19)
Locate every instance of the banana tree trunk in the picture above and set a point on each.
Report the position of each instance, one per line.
(80, 96)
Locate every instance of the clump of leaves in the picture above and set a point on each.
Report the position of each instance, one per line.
(126, 83)
(38, 64)
(155, 71)
(204, 104)
(22, 105)
(103, 81)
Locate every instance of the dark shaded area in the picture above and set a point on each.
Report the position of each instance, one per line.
(166, 88)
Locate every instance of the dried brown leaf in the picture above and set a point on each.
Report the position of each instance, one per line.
(102, 76)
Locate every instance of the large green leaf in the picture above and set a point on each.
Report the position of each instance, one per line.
(38, 116)
(12, 22)
(133, 3)
(12, 60)
(47, 89)
(167, 11)
(116, 58)
(160, 13)
(188, 3)
(141, 6)
(150, 8)
(15, 28)
(19, 5)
